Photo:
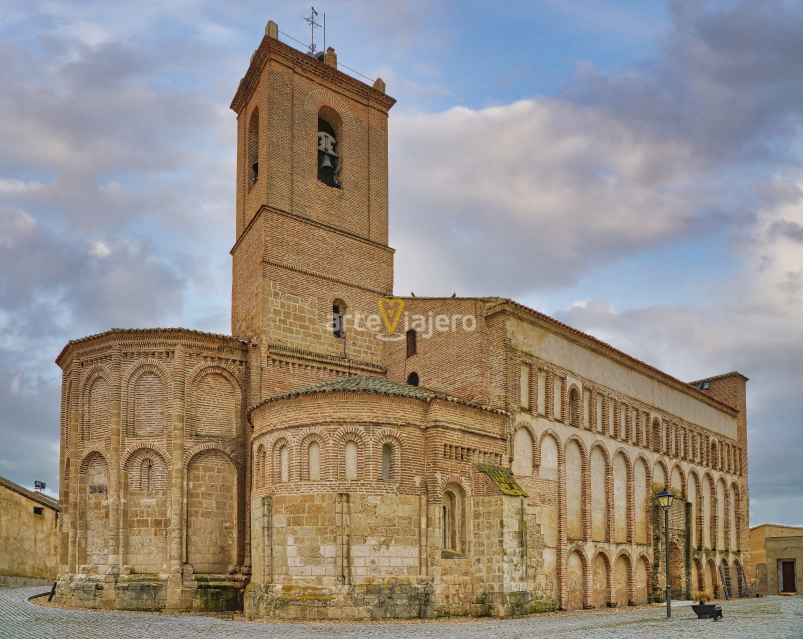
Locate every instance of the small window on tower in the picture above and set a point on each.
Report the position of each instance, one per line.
(412, 346)
(412, 379)
(38, 511)
(253, 149)
(339, 319)
(329, 163)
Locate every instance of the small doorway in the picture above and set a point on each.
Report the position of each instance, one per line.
(786, 575)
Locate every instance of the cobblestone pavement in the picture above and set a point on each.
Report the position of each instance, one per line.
(767, 618)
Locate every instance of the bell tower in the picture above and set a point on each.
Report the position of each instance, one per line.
(312, 215)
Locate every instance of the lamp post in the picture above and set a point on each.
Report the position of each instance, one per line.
(665, 498)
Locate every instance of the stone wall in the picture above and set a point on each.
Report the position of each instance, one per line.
(29, 539)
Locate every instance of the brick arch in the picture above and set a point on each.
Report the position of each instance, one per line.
(340, 438)
(95, 372)
(458, 514)
(631, 575)
(389, 432)
(641, 456)
(620, 451)
(535, 442)
(89, 376)
(607, 489)
(304, 439)
(586, 566)
(598, 443)
(211, 510)
(131, 375)
(659, 461)
(436, 489)
(274, 455)
(229, 450)
(645, 560)
(137, 456)
(683, 478)
(610, 584)
(584, 492)
(155, 446)
(549, 432)
(322, 97)
(389, 437)
(700, 585)
(195, 376)
(604, 552)
(258, 466)
(92, 451)
(574, 386)
(584, 450)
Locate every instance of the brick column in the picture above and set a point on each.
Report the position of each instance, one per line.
(75, 479)
(563, 586)
(115, 511)
(586, 495)
(176, 548)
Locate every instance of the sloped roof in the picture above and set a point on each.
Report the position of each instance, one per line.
(378, 386)
(503, 478)
(39, 498)
(111, 331)
(666, 376)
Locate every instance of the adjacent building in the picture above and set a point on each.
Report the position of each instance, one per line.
(29, 539)
(777, 554)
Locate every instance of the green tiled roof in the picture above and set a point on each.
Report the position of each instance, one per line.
(379, 386)
(503, 478)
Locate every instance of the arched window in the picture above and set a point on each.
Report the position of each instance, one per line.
(339, 319)
(329, 164)
(574, 407)
(656, 436)
(314, 461)
(146, 475)
(284, 464)
(351, 461)
(453, 520)
(412, 379)
(387, 460)
(412, 346)
(253, 148)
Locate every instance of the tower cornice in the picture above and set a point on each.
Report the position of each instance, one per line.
(273, 49)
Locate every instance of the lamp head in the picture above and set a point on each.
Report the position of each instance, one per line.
(665, 498)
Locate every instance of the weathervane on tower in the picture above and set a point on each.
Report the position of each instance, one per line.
(312, 25)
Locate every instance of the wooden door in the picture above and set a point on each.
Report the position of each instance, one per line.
(788, 576)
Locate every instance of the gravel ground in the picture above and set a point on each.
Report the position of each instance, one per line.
(766, 618)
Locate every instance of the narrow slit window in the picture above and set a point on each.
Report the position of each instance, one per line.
(412, 345)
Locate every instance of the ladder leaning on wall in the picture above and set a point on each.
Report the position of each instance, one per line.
(741, 578)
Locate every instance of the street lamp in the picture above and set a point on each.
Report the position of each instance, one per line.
(665, 498)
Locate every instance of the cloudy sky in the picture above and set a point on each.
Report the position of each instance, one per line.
(631, 168)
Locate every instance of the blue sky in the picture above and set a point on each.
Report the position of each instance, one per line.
(633, 169)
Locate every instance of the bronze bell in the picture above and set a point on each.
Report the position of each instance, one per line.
(327, 168)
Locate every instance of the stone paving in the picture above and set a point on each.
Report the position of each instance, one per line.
(767, 618)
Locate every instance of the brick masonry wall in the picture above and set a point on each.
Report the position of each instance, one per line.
(132, 484)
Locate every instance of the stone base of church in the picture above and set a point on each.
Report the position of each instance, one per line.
(150, 592)
(394, 600)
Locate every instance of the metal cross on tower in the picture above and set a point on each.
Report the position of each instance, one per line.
(312, 25)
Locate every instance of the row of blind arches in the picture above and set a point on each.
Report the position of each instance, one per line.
(345, 461)
(617, 509)
(662, 437)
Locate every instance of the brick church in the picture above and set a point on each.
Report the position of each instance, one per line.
(350, 454)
